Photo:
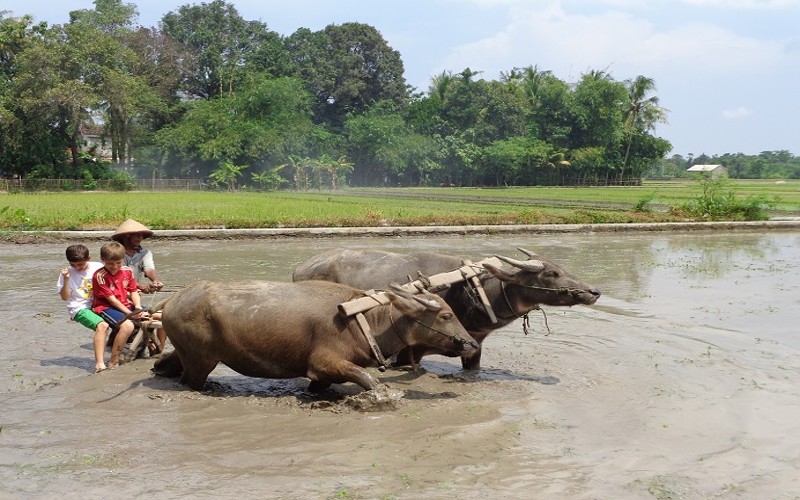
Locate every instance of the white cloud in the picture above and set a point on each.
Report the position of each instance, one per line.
(745, 4)
(736, 113)
(569, 44)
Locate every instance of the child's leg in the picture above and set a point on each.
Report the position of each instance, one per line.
(100, 334)
(116, 319)
(161, 334)
(125, 331)
(89, 319)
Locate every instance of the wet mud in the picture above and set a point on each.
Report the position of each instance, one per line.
(681, 382)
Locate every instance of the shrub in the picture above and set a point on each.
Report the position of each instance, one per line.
(121, 182)
(716, 203)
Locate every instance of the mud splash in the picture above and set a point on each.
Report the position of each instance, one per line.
(681, 382)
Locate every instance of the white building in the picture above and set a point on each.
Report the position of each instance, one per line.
(712, 170)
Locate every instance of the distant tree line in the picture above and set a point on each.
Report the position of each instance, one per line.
(765, 165)
(208, 94)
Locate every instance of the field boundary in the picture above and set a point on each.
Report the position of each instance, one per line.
(331, 232)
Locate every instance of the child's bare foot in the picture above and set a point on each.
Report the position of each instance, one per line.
(99, 368)
(113, 362)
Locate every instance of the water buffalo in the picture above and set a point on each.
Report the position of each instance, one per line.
(511, 294)
(287, 330)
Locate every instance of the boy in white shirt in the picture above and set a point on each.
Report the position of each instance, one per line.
(75, 287)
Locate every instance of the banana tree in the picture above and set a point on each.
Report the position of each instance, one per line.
(227, 174)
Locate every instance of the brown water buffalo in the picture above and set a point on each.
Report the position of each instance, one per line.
(287, 330)
(511, 293)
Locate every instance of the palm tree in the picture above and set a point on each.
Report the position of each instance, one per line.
(643, 112)
(440, 84)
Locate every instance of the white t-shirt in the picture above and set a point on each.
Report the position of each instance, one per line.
(80, 287)
(140, 262)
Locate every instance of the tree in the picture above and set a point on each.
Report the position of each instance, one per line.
(549, 107)
(597, 110)
(348, 68)
(23, 142)
(221, 41)
(54, 86)
(265, 122)
(642, 114)
(227, 174)
(373, 138)
(270, 179)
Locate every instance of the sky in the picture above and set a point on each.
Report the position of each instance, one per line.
(727, 71)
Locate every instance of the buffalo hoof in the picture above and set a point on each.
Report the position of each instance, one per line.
(317, 386)
(168, 366)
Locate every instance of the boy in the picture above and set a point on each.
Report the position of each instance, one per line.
(75, 287)
(115, 295)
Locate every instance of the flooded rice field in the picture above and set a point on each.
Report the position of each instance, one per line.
(682, 381)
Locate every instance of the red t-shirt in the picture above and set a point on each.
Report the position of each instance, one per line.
(105, 284)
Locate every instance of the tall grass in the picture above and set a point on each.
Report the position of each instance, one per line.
(718, 200)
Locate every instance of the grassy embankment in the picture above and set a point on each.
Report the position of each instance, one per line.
(651, 202)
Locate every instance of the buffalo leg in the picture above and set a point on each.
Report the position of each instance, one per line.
(344, 371)
(168, 366)
(318, 386)
(196, 372)
(472, 362)
(409, 356)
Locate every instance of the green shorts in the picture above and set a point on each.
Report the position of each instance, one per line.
(88, 318)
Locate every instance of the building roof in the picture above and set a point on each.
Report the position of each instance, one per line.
(704, 168)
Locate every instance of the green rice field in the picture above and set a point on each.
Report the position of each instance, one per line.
(361, 207)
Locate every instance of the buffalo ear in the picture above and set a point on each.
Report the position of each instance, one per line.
(501, 274)
(425, 298)
(406, 304)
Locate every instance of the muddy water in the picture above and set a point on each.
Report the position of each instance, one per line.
(683, 381)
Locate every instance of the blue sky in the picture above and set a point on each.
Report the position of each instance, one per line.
(727, 70)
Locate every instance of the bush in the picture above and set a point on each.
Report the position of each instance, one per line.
(716, 203)
(89, 182)
(121, 182)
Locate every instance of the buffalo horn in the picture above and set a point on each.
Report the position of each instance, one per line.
(527, 252)
(526, 265)
(430, 304)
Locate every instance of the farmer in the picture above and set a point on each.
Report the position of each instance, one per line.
(137, 257)
(140, 259)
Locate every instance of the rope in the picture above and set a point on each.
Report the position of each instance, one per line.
(526, 321)
(455, 339)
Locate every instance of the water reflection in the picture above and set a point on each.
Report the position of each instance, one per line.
(735, 280)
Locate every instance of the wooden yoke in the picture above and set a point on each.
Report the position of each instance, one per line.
(468, 272)
(465, 272)
(476, 283)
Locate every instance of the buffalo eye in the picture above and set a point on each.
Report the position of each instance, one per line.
(447, 316)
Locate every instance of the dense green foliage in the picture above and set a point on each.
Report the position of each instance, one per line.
(207, 89)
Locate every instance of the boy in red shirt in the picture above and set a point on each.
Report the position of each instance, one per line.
(115, 295)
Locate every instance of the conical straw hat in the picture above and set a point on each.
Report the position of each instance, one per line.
(131, 226)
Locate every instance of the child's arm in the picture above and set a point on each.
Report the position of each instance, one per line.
(136, 298)
(65, 292)
(117, 304)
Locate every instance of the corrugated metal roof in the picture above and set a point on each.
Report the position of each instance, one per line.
(704, 168)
